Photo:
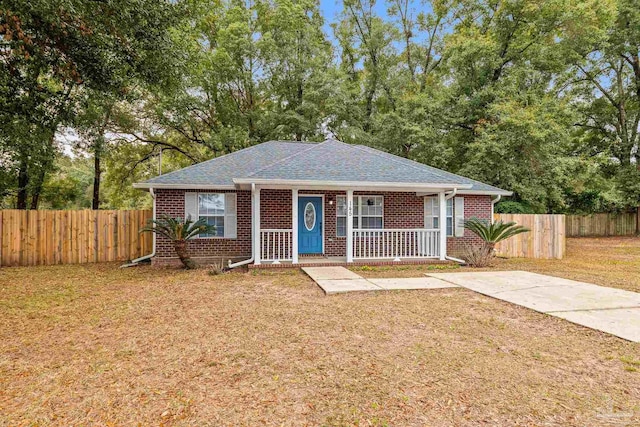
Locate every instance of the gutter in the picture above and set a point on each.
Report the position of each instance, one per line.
(253, 225)
(153, 252)
(493, 204)
(452, 194)
(450, 258)
(458, 260)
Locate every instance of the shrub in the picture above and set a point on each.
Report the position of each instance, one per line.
(478, 256)
(179, 231)
(490, 233)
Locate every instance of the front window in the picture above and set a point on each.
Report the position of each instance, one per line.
(367, 213)
(432, 214)
(211, 208)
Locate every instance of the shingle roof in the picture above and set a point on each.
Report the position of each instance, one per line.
(330, 160)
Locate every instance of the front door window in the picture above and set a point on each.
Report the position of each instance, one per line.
(309, 216)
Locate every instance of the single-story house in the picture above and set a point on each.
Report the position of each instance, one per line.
(291, 203)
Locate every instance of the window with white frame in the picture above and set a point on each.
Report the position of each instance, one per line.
(211, 207)
(368, 213)
(432, 214)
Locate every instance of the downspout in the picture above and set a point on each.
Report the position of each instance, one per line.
(153, 251)
(450, 258)
(493, 204)
(452, 194)
(253, 224)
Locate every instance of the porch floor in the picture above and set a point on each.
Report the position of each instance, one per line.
(337, 261)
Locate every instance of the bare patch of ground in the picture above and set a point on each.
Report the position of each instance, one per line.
(97, 345)
(610, 261)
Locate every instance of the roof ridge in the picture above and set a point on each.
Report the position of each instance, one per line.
(286, 158)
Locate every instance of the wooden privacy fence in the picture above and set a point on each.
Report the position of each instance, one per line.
(546, 238)
(603, 224)
(40, 237)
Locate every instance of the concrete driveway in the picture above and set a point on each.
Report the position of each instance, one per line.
(610, 310)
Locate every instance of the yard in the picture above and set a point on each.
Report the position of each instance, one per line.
(95, 344)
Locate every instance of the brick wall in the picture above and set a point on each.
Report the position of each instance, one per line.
(171, 202)
(474, 207)
(401, 210)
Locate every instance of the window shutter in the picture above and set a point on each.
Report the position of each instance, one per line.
(429, 205)
(230, 216)
(459, 213)
(191, 205)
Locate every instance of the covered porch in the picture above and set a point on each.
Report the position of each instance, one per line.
(361, 225)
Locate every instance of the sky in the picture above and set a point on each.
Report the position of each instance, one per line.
(331, 9)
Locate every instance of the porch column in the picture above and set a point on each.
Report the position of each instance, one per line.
(294, 226)
(442, 204)
(349, 225)
(256, 226)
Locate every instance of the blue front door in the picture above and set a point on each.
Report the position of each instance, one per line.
(310, 225)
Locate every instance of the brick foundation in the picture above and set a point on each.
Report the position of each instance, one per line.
(401, 210)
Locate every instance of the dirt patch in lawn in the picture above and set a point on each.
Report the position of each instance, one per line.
(611, 261)
(97, 345)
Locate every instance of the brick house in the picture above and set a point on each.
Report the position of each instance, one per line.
(290, 203)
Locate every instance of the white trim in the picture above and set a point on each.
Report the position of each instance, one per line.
(429, 189)
(485, 193)
(144, 185)
(442, 204)
(349, 226)
(294, 225)
(361, 185)
(324, 220)
(256, 229)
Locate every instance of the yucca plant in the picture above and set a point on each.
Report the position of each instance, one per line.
(492, 233)
(179, 231)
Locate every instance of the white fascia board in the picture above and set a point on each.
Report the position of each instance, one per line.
(486, 192)
(158, 186)
(341, 185)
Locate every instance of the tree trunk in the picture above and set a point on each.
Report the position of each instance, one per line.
(37, 189)
(180, 247)
(97, 172)
(23, 182)
(45, 166)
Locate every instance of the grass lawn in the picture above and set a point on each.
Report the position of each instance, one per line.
(98, 345)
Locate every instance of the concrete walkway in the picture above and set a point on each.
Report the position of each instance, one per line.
(334, 280)
(610, 310)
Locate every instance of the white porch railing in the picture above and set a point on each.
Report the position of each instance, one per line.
(396, 243)
(276, 245)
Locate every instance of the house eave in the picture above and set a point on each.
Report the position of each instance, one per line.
(157, 186)
(486, 192)
(245, 183)
(342, 185)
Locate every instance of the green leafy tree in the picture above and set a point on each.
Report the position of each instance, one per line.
(51, 50)
(606, 89)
